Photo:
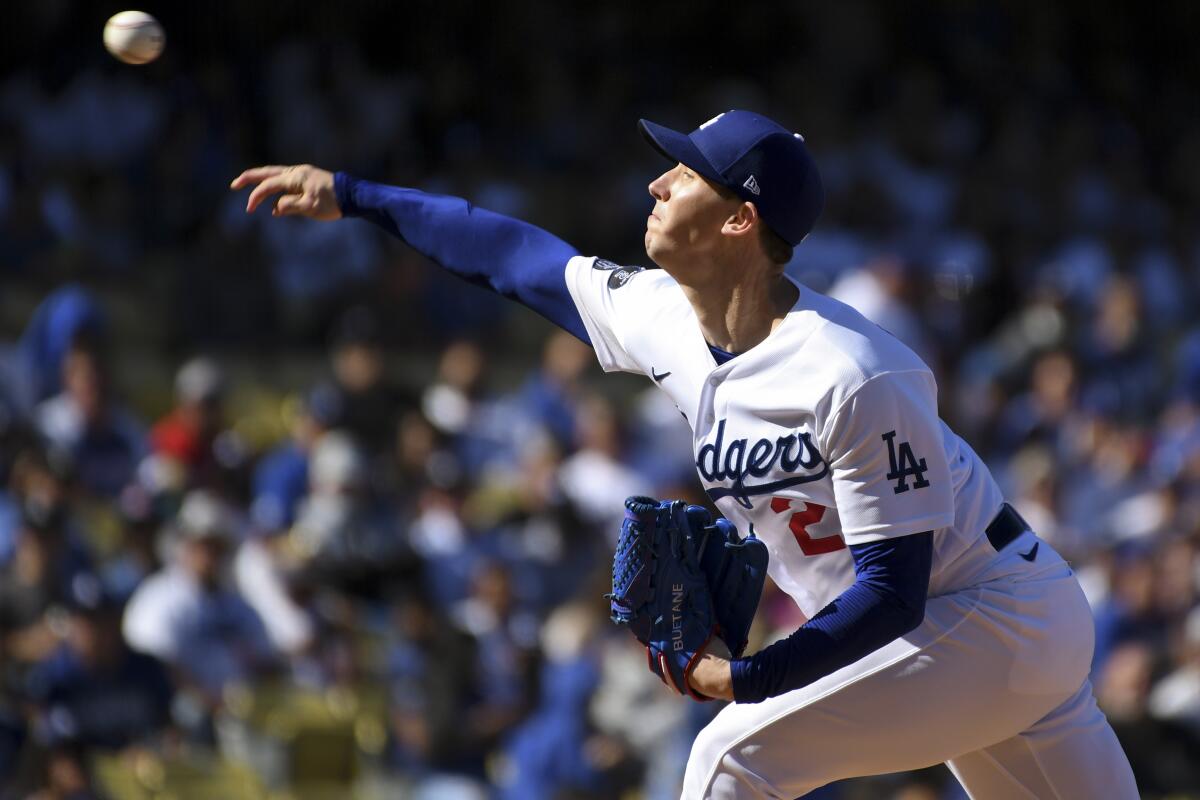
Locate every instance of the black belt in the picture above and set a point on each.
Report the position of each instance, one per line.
(1007, 525)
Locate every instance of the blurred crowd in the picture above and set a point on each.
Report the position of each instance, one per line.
(284, 495)
(449, 548)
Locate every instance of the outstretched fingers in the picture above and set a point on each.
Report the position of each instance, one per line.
(256, 175)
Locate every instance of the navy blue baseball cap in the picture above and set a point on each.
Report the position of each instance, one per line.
(757, 159)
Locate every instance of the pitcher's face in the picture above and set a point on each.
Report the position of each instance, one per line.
(688, 216)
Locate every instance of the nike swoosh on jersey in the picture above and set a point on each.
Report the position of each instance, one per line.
(659, 378)
(1032, 554)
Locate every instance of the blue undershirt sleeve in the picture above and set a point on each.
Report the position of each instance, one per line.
(886, 601)
(513, 258)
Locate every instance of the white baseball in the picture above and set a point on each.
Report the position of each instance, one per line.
(134, 37)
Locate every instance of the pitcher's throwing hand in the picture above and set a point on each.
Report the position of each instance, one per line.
(304, 190)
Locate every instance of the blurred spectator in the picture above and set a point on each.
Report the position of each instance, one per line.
(1043, 414)
(269, 565)
(37, 583)
(551, 396)
(39, 489)
(631, 706)
(423, 457)
(453, 400)
(660, 444)
(1177, 576)
(526, 521)
(103, 441)
(505, 638)
(489, 433)
(1129, 612)
(430, 669)
(264, 576)
(370, 403)
(281, 477)
(187, 616)
(1117, 350)
(556, 749)
(595, 477)
(442, 539)
(1176, 696)
(193, 434)
(33, 370)
(1107, 467)
(59, 774)
(92, 690)
(877, 291)
(139, 518)
(343, 537)
(1035, 491)
(1161, 752)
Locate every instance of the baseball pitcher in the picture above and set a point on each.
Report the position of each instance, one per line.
(940, 628)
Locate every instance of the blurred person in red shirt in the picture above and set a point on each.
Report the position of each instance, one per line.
(193, 435)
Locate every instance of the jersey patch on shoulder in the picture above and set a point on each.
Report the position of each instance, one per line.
(620, 274)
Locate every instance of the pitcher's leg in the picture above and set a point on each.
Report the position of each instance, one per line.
(913, 703)
(1070, 754)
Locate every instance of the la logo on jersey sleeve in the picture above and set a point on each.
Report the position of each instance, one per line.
(904, 464)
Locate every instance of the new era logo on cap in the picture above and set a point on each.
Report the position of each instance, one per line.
(734, 148)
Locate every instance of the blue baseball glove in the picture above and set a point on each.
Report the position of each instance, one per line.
(672, 564)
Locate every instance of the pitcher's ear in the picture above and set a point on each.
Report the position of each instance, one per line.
(742, 221)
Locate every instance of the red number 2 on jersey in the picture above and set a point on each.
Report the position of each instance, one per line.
(799, 522)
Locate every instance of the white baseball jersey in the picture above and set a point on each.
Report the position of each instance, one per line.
(824, 434)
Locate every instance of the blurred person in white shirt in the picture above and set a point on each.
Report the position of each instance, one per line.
(187, 615)
(595, 477)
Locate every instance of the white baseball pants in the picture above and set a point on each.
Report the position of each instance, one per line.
(993, 683)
